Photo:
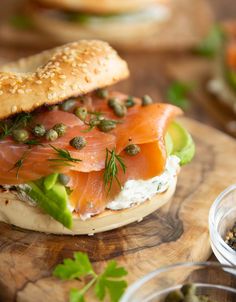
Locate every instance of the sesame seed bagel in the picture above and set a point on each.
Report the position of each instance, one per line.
(102, 6)
(123, 31)
(58, 74)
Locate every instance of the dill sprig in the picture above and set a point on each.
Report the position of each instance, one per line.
(19, 163)
(112, 163)
(8, 126)
(64, 157)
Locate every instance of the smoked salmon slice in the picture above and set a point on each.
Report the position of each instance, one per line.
(90, 196)
(36, 163)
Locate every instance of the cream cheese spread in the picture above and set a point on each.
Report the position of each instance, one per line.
(137, 191)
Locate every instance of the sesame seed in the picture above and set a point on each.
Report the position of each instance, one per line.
(38, 82)
(1, 92)
(62, 76)
(21, 91)
(13, 109)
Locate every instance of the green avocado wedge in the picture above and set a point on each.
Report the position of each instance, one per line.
(182, 144)
(53, 202)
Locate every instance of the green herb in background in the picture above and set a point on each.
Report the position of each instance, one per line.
(177, 94)
(108, 282)
(212, 43)
(21, 21)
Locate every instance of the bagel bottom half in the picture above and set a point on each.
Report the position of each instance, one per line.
(16, 212)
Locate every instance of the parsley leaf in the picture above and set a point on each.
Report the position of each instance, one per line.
(76, 295)
(74, 269)
(211, 44)
(114, 287)
(177, 94)
(108, 282)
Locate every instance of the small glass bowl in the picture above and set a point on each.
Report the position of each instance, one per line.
(222, 217)
(212, 279)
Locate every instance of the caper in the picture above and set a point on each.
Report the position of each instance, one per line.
(102, 93)
(81, 113)
(53, 107)
(20, 135)
(129, 102)
(78, 142)
(51, 135)
(106, 125)
(112, 102)
(174, 296)
(188, 288)
(64, 179)
(132, 149)
(94, 122)
(60, 129)
(68, 105)
(191, 298)
(119, 110)
(146, 100)
(39, 130)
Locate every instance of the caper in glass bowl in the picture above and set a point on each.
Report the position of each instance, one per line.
(222, 218)
(210, 280)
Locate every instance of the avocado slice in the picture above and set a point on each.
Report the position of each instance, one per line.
(169, 143)
(53, 202)
(182, 143)
(49, 181)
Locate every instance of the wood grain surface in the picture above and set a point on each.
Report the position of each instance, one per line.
(169, 235)
(178, 232)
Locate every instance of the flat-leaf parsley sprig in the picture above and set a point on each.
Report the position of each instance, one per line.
(108, 282)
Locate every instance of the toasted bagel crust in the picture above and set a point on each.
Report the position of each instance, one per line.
(18, 213)
(57, 74)
(101, 6)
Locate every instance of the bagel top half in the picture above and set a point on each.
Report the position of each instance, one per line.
(58, 74)
(101, 6)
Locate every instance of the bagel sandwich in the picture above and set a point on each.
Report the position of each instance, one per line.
(77, 157)
(223, 83)
(121, 23)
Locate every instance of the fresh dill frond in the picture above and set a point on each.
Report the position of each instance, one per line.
(19, 163)
(8, 126)
(33, 142)
(112, 163)
(64, 157)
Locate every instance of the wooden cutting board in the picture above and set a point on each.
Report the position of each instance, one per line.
(177, 232)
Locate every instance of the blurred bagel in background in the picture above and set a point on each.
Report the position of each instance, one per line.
(130, 25)
(100, 7)
(124, 29)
